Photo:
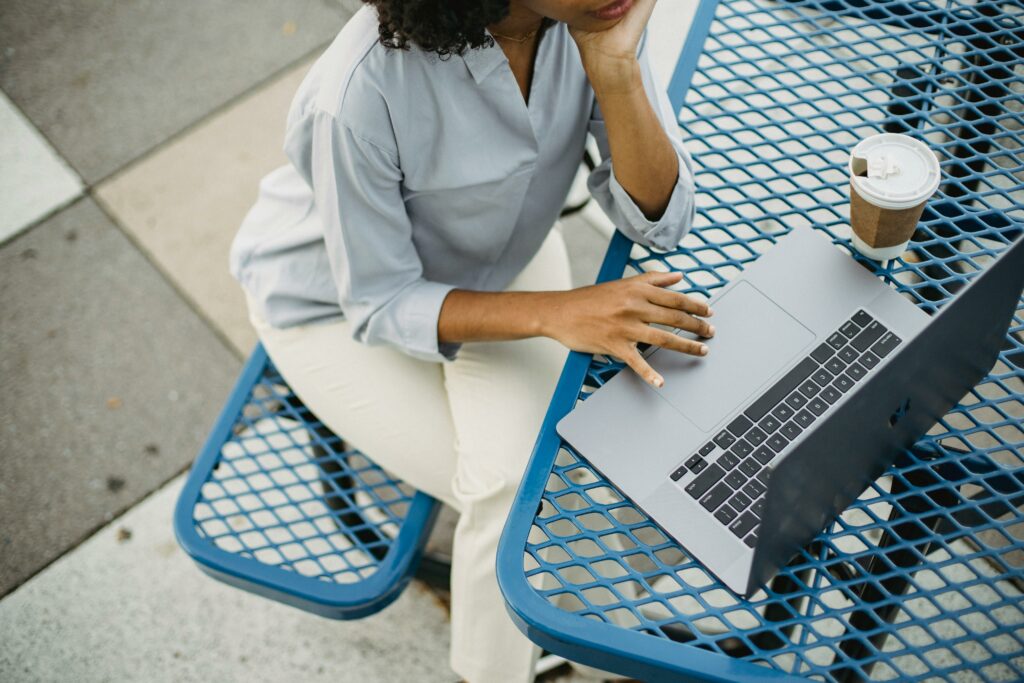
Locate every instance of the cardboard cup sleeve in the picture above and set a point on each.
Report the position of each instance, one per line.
(879, 227)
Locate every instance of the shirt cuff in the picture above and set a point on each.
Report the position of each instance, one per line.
(665, 232)
(420, 331)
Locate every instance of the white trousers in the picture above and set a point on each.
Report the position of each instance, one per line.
(460, 431)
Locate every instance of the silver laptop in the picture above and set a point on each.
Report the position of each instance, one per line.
(817, 377)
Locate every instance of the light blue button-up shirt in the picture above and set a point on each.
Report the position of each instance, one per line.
(411, 175)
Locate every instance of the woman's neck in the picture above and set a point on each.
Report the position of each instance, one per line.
(519, 21)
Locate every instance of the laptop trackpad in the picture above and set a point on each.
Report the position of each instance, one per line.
(754, 339)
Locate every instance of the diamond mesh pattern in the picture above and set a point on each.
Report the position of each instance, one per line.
(922, 577)
(279, 491)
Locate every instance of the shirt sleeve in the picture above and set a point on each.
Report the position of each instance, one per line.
(368, 235)
(677, 219)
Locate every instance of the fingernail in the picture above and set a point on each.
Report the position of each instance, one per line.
(703, 350)
(711, 330)
(659, 382)
(710, 313)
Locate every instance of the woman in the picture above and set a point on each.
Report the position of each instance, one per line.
(402, 271)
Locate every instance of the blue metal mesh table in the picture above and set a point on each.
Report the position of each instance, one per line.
(921, 578)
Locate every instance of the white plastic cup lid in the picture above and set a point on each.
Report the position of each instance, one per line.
(894, 171)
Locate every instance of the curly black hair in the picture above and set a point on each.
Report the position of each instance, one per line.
(447, 27)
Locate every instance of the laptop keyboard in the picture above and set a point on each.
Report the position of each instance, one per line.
(729, 474)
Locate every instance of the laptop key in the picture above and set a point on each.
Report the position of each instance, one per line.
(791, 430)
(678, 474)
(728, 460)
(705, 480)
(707, 448)
(715, 497)
(769, 424)
(831, 394)
(750, 540)
(835, 365)
(843, 383)
(849, 329)
(822, 353)
(739, 501)
(693, 460)
(886, 344)
(756, 437)
(743, 448)
(725, 514)
(796, 400)
(739, 426)
(836, 341)
(848, 354)
(861, 318)
(754, 488)
(750, 467)
(783, 412)
(736, 479)
(803, 418)
(777, 442)
(764, 455)
(868, 335)
(856, 371)
(724, 439)
(809, 388)
(699, 466)
(822, 377)
(741, 526)
(758, 507)
(817, 405)
(869, 360)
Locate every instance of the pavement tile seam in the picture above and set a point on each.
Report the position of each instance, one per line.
(57, 208)
(85, 536)
(27, 228)
(13, 104)
(212, 113)
(154, 262)
(22, 234)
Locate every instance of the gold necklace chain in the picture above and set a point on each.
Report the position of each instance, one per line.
(525, 38)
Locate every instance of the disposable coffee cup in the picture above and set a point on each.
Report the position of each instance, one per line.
(891, 178)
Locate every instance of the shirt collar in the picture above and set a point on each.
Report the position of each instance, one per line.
(481, 61)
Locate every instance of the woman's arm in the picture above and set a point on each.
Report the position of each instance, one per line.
(608, 318)
(646, 164)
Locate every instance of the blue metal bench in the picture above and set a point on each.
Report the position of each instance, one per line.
(274, 504)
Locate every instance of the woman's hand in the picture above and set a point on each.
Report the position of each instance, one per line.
(608, 55)
(612, 317)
